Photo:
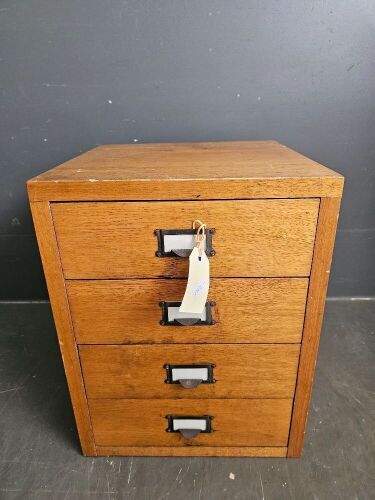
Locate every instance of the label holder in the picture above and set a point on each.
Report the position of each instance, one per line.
(192, 382)
(186, 321)
(203, 425)
(182, 252)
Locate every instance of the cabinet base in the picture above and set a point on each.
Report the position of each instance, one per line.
(192, 451)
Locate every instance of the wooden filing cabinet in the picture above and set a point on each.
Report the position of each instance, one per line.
(100, 220)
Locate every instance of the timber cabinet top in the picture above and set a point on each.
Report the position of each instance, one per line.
(206, 170)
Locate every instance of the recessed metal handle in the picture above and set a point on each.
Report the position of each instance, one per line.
(190, 376)
(190, 383)
(180, 242)
(188, 321)
(181, 252)
(172, 317)
(189, 433)
(189, 426)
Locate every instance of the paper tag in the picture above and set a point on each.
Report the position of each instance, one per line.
(196, 292)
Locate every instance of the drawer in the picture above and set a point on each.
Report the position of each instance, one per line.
(253, 238)
(190, 371)
(247, 310)
(235, 422)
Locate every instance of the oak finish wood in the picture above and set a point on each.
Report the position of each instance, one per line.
(192, 451)
(253, 238)
(247, 310)
(325, 238)
(214, 170)
(266, 210)
(241, 371)
(237, 422)
(57, 293)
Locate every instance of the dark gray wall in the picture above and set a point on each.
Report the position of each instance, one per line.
(76, 73)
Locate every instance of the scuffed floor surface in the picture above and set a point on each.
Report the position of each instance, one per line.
(39, 451)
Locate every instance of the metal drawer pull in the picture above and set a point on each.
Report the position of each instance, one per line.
(189, 427)
(171, 315)
(190, 376)
(180, 242)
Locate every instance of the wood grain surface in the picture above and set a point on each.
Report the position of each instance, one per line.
(247, 310)
(266, 249)
(253, 238)
(237, 422)
(56, 288)
(325, 239)
(216, 170)
(241, 371)
(192, 451)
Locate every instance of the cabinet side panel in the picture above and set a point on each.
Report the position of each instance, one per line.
(56, 288)
(325, 238)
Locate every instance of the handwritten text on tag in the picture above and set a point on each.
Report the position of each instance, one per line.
(196, 292)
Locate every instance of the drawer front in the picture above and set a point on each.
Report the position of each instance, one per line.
(246, 371)
(253, 237)
(236, 422)
(246, 311)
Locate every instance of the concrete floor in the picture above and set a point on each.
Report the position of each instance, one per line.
(40, 456)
